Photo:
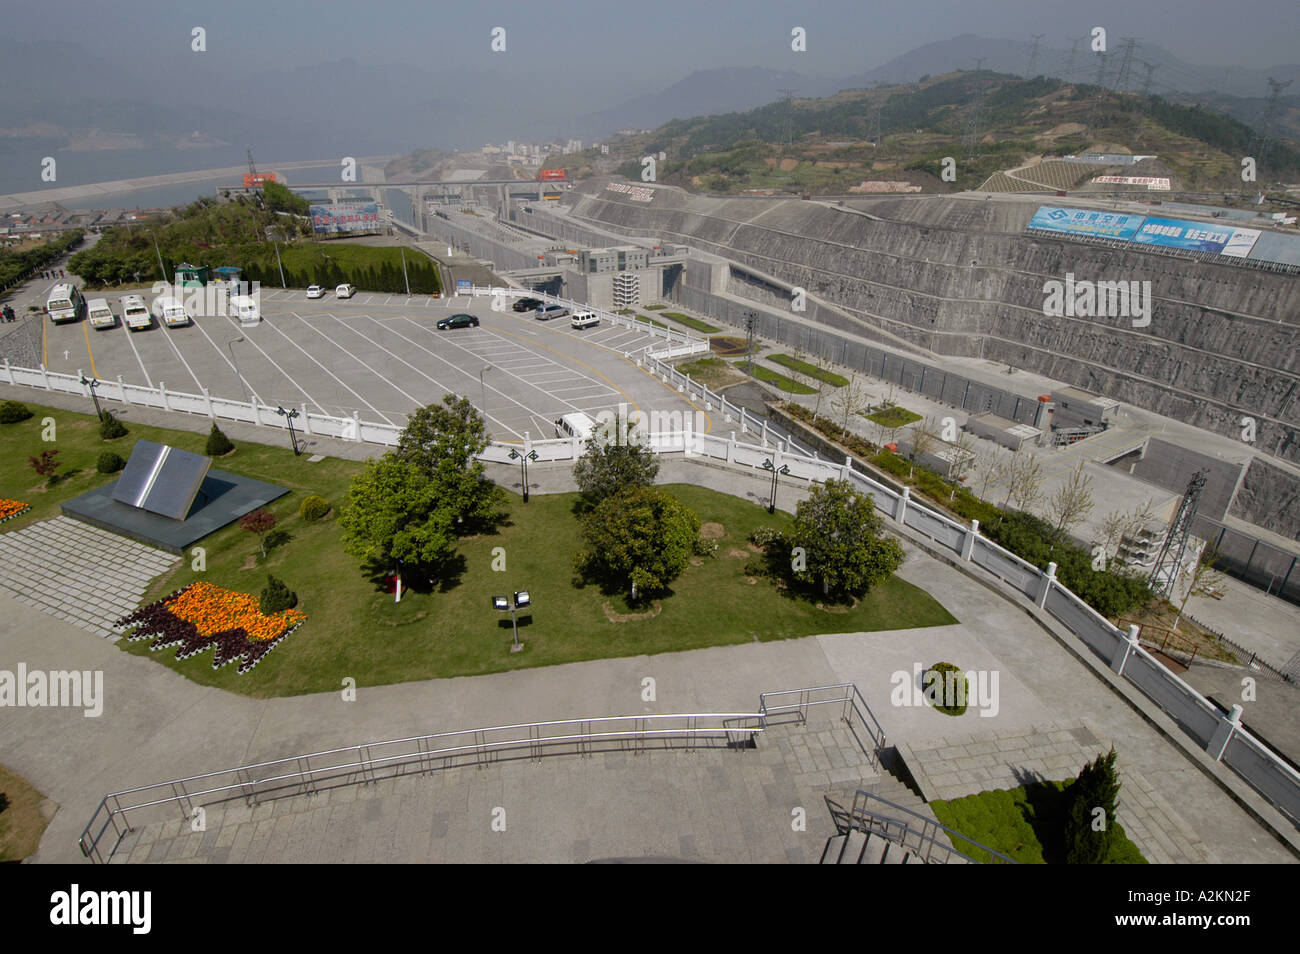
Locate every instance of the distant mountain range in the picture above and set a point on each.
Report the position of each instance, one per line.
(356, 108)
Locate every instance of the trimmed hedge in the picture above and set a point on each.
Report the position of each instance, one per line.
(313, 507)
(110, 428)
(11, 412)
(109, 463)
(218, 443)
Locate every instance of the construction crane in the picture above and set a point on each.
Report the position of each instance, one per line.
(254, 179)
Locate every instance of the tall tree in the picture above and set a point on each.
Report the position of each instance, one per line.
(1072, 502)
(1090, 815)
(643, 536)
(393, 511)
(843, 543)
(443, 441)
(612, 464)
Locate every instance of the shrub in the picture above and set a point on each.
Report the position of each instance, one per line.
(936, 688)
(11, 412)
(766, 537)
(314, 507)
(110, 428)
(109, 463)
(1096, 787)
(277, 597)
(218, 443)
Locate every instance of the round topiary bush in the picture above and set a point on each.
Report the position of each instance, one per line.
(110, 428)
(947, 693)
(11, 412)
(109, 463)
(314, 507)
(218, 443)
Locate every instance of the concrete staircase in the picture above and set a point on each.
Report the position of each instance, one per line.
(864, 848)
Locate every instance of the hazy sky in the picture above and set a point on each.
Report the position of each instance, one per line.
(623, 43)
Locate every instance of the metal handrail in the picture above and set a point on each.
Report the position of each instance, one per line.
(897, 830)
(849, 697)
(248, 781)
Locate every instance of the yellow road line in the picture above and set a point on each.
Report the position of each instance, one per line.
(86, 331)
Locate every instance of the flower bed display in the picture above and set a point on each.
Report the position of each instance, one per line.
(12, 508)
(204, 615)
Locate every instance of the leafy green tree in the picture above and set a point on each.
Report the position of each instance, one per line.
(442, 442)
(1096, 787)
(643, 535)
(279, 198)
(844, 545)
(395, 512)
(612, 464)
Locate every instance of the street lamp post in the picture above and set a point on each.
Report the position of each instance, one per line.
(230, 346)
(483, 389)
(293, 437)
(270, 233)
(522, 601)
(523, 462)
(161, 267)
(92, 383)
(783, 469)
(404, 276)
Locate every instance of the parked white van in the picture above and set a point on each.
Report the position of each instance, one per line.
(171, 312)
(244, 307)
(135, 313)
(65, 303)
(585, 319)
(99, 314)
(577, 425)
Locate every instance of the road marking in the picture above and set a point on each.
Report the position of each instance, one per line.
(166, 333)
(325, 369)
(136, 351)
(86, 332)
(239, 376)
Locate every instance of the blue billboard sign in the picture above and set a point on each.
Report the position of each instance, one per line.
(1085, 222)
(342, 217)
(1197, 236)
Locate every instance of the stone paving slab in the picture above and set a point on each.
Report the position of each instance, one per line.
(1011, 758)
(77, 573)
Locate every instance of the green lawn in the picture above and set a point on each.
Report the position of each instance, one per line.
(788, 385)
(894, 416)
(643, 319)
(1025, 824)
(355, 629)
(21, 823)
(690, 322)
(803, 367)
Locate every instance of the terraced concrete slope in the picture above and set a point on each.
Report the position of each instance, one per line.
(960, 276)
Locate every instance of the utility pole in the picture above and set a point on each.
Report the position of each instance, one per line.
(751, 325)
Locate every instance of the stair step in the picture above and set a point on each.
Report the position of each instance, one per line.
(895, 854)
(875, 850)
(831, 853)
(854, 844)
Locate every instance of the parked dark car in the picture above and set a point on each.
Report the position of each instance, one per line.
(526, 304)
(458, 321)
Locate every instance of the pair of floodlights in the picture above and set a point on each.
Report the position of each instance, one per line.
(521, 601)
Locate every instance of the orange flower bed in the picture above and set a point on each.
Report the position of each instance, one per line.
(11, 508)
(213, 609)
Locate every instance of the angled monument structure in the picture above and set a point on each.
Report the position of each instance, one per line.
(170, 498)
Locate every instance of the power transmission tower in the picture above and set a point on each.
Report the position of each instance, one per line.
(1126, 64)
(787, 127)
(1268, 121)
(751, 329)
(1074, 48)
(874, 128)
(1146, 82)
(1175, 545)
(1101, 90)
(974, 117)
(1033, 56)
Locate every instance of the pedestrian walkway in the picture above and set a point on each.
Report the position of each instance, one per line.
(763, 805)
(77, 573)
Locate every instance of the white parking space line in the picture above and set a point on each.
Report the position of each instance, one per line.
(287, 376)
(468, 374)
(168, 335)
(436, 383)
(136, 351)
(313, 360)
(226, 359)
(551, 397)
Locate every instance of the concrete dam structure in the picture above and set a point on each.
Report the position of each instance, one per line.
(959, 275)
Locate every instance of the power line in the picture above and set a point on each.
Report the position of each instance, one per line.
(787, 128)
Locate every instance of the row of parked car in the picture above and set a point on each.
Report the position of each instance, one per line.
(342, 291)
(544, 312)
